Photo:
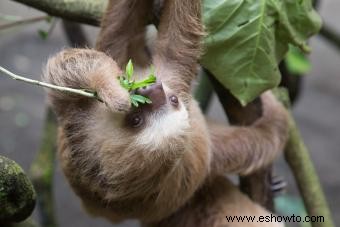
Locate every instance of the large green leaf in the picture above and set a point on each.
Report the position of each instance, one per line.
(246, 40)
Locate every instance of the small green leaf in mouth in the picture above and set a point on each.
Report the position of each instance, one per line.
(131, 85)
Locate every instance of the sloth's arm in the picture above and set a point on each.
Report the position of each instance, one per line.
(179, 42)
(123, 30)
(245, 149)
(85, 69)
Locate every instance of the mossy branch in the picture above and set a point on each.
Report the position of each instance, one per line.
(17, 195)
(297, 157)
(90, 12)
(83, 11)
(27, 223)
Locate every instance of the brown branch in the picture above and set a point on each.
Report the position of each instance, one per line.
(258, 184)
(293, 82)
(75, 34)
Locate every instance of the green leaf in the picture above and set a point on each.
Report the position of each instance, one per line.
(124, 83)
(141, 99)
(147, 100)
(151, 79)
(296, 62)
(43, 34)
(129, 70)
(247, 39)
(144, 83)
(138, 98)
(121, 79)
(130, 85)
(134, 102)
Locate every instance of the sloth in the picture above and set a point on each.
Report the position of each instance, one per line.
(161, 163)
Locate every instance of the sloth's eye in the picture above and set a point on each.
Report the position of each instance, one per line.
(173, 100)
(136, 120)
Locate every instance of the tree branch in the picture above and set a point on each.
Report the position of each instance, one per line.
(297, 157)
(75, 34)
(17, 195)
(83, 11)
(47, 85)
(27, 223)
(91, 11)
(258, 184)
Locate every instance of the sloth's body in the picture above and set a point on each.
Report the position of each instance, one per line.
(161, 163)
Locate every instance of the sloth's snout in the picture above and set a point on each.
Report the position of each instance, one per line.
(155, 93)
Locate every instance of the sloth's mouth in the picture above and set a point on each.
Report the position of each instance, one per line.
(156, 94)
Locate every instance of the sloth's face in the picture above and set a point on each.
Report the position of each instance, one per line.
(165, 118)
(164, 102)
(156, 126)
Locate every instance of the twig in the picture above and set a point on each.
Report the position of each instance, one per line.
(23, 21)
(52, 86)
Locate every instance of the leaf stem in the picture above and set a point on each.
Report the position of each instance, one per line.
(52, 86)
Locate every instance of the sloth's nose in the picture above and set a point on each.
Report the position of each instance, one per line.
(155, 93)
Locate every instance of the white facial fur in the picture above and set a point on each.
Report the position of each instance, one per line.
(164, 126)
(173, 123)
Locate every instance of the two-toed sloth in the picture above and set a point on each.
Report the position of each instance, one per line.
(161, 163)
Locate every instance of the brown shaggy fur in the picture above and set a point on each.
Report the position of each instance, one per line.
(168, 172)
